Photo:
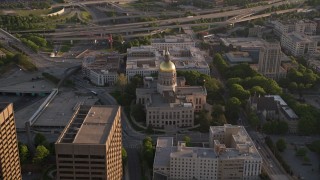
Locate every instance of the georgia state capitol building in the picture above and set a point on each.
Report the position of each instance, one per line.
(168, 101)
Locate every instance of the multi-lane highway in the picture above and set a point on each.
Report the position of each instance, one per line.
(143, 31)
(133, 14)
(100, 32)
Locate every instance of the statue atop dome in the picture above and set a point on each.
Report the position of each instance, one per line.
(167, 65)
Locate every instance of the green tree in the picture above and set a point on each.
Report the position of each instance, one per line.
(41, 154)
(24, 153)
(272, 87)
(301, 152)
(240, 71)
(212, 85)
(24, 61)
(254, 120)
(236, 90)
(220, 63)
(124, 156)
(148, 151)
(217, 110)
(187, 139)
(281, 144)
(205, 120)
(192, 77)
(257, 90)
(232, 81)
(307, 125)
(293, 86)
(121, 82)
(39, 139)
(233, 106)
(282, 127)
(137, 80)
(275, 127)
(306, 159)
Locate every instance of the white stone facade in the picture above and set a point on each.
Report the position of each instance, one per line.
(168, 42)
(231, 155)
(101, 70)
(298, 44)
(306, 27)
(168, 102)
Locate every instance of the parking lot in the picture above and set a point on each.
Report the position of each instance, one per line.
(300, 167)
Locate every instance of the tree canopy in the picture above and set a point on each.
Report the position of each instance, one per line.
(124, 156)
(187, 139)
(39, 139)
(275, 127)
(205, 120)
(24, 153)
(281, 144)
(121, 82)
(41, 154)
(148, 150)
(212, 85)
(309, 122)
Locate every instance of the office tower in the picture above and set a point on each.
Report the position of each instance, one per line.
(9, 153)
(90, 145)
(270, 60)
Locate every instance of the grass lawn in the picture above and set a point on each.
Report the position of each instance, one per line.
(86, 15)
(36, 12)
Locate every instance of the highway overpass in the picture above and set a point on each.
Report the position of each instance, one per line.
(142, 31)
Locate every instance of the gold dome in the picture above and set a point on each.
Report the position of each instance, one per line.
(167, 66)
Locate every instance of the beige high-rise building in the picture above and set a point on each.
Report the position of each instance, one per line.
(90, 145)
(270, 61)
(9, 153)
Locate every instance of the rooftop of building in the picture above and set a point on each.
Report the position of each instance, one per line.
(269, 102)
(251, 42)
(163, 151)
(142, 63)
(163, 142)
(181, 38)
(266, 103)
(137, 49)
(102, 62)
(170, 98)
(289, 112)
(89, 125)
(188, 90)
(182, 58)
(60, 110)
(278, 98)
(244, 146)
(293, 21)
(238, 57)
(244, 149)
(163, 101)
(196, 152)
(299, 37)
